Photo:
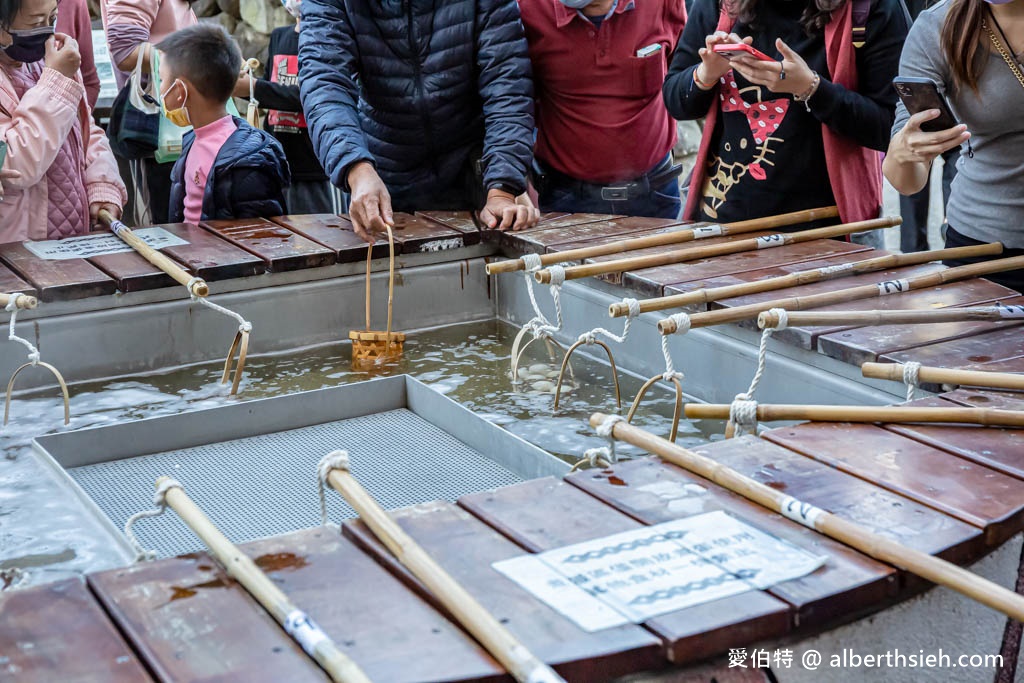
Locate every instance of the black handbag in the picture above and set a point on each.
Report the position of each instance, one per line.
(132, 132)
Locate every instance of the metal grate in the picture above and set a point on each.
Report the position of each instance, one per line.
(266, 485)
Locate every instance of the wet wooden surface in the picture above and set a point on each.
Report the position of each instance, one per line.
(335, 233)
(611, 230)
(957, 353)
(56, 633)
(466, 548)
(190, 622)
(653, 492)
(209, 256)
(56, 280)
(10, 282)
(651, 282)
(281, 249)
(132, 272)
(518, 240)
(543, 514)
(986, 398)
(462, 221)
(866, 344)
(416, 234)
(970, 492)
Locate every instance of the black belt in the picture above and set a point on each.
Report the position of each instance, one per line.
(624, 191)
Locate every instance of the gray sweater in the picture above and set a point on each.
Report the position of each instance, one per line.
(987, 200)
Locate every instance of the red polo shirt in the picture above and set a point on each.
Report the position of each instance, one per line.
(600, 116)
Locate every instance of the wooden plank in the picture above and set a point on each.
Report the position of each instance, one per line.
(383, 626)
(132, 272)
(652, 281)
(970, 492)
(994, 447)
(335, 233)
(549, 221)
(613, 229)
(910, 523)
(10, 283)
(986, 398)
(281, 249)
(466, 548)
(465, 221)
(547, 513)
(865, 344)
(416, 234)
(56, 632)
(189, 621)
(209, 256)
(981, 348)
(653, 492)
(56, 280)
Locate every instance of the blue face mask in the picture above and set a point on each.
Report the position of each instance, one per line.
(576, 4)
(28, 45)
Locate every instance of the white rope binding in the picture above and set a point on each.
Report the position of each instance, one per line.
(12, 308)
(743, 410)
(595, 457)
(539, 325)
(590, 338)
(335, 460)
(682, 321)
(605, 431)
(243, 324)
(160, 501)
(911, 377)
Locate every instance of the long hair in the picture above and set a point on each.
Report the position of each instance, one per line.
(961, 42)
(816, 14)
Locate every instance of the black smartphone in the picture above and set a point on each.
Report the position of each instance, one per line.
(922, 94)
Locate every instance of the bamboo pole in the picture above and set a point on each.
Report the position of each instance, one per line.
(523, 665)
(667, 238)
(971, 378)
(772, 319)
(806, 277)
(197, 286)
(240, 567)
(710, 250)
(875, 545)
(797, 303)
(23, 302)
(989, 417)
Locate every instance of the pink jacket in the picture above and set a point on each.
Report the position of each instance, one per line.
(35, 128)
(74, 20)
(129, 23)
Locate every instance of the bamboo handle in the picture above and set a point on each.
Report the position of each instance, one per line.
(891, 414)
(732, 315)
(240, 567)
(930, 375)
(503, 646)
(667, 238)
(23, 302)
(932, 568)
(161, 261)
(772, 319)
(700, 252)
(391, 279)
(806, 277)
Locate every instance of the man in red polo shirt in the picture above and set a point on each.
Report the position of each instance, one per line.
(604, 137)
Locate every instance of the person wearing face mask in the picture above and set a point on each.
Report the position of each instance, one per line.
(974, 51)
(65, 172)
(604, 136)
(227, 168)
(800, 129)
(310, 191)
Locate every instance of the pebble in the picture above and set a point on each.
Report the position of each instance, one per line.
(543, 385)
(553, 374)
(539, 369)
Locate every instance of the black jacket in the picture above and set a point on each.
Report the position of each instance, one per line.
(247, 181)
(418, 88)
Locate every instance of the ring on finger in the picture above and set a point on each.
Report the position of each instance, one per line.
(782, 71)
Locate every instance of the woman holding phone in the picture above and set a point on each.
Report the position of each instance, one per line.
(798, 127)
(971, 49)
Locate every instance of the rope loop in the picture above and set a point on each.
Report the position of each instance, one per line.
(594, 457)
(634, 308)
(670, 370)
(12, 308)
(557, 275)
(743, 414)
(589, 338)
(607, 426)
(335, 460)
(682, 322)
(160, 501)
(783, 318)
(531, 262)
(911, 377)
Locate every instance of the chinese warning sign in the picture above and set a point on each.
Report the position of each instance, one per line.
(100, 245)
(636, 575)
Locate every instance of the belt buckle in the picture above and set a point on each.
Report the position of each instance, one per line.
(615, 193)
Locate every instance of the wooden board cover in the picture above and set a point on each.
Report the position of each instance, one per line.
(335, 233)
(210, 256)
(970, 492)
(132, 272)
(56, 280)
(540, 241)
(466, 548)
(281, 249)
(11, 283)
(982, 348)
(547, 513)
(57, 632)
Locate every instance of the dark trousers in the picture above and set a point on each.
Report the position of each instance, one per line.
(1014, 279)
(914, 208)
(562, 194)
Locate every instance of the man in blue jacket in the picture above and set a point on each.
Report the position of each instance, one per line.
(420, 104)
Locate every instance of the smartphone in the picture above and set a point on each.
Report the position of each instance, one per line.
(922, 94)
(730, 50)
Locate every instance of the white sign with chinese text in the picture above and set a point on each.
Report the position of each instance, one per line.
(100, 245)
(637, 575)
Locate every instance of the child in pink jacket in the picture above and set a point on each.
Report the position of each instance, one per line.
(67, 172)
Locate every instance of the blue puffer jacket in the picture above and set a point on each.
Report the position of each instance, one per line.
(248, 178)
(418, 88)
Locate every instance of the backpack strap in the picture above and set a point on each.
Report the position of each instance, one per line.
(861, 10)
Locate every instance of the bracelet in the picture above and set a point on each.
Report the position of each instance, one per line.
(809, 93)
(699, 83)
